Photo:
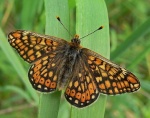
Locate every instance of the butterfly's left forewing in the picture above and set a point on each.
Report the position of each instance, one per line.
(110, 78)
(32, 46)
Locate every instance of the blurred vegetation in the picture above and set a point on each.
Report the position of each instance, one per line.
(130, 47)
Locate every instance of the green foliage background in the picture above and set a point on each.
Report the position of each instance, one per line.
(129, 28)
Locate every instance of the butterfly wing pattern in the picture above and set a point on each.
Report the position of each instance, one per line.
(57, 64)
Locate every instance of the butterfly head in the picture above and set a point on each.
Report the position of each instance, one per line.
(75, 41)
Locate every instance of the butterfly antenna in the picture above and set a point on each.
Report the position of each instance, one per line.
(58, 18)
(101, 27)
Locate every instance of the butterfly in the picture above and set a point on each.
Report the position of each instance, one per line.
(57, 64)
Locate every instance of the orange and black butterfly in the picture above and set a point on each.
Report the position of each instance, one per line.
(57, 64)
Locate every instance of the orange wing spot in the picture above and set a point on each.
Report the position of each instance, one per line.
(90, 88)
(22, 47)
(53, 64)
(44, 71)
(33, 39)
(110, 72)
(126, 83)
(79, 88)
(119, 85)
(67, 91)
(98, 79)
(48, 42)
(102, 66)
(98, 61)
(107, 67)
(45, 58)
(128, 89)
(24, 37)
(110, 92)
(87, 95)
(45, 75)
(131, 79)
(91, 58)
(55, 78)
(53, 85)
(76, 84)
(87, 79)
(122, 85)
(38, 62)
(45, 62)
(47, 82)
(80, 75)
(43, 41)
(32, 58)
(107, 84)
(114, 70)
(36, 74)
(52, 55)
(37, 67)
(20, 44)
(102, 86)
(17, 41)
(38, 54)
(24, 56)
(70, 84)
(26, 48)
(89, 62)
(82, 86)
(16, 35)
(30, 52)
(83, 97)
(114, 84)
(36, 47)
(111, 77)
(54, 43)
(39, 40)
(121, 75)
(78, 96)
(136, 85)
(54, 48)
(104, 74)
(72, 93)
(42, 81)
(116, 90)
(37, 79)
(22, 52)
(51, 74)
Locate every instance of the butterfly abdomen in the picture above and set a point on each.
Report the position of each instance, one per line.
(67, 67)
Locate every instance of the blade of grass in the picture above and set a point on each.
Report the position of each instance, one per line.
(139, 57)
(27, 14)
(49, 103)
(13, 58)
(136, 35)
(90, 16)
(16, 90)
